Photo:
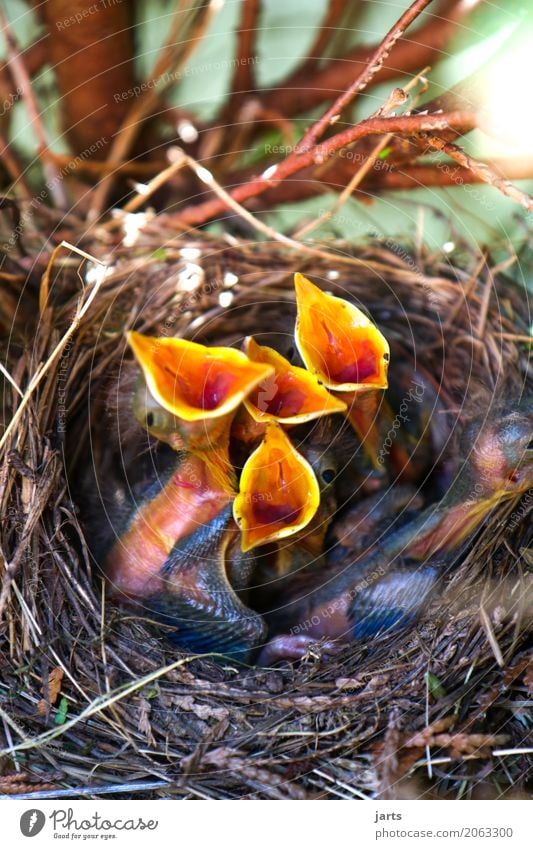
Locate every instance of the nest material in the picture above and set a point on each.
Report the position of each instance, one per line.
(93, 695)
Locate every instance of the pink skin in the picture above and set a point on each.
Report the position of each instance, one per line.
(294, 647)
(326, 627)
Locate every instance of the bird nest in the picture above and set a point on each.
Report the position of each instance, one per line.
(95, 700)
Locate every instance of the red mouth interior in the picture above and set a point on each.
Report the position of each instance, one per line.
(266, 513)
(342, 364)
(280, 396)
(208, 389)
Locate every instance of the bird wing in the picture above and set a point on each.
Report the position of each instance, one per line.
(197, 600)
(394, 601)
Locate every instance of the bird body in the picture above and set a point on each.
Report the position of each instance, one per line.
(360, 596)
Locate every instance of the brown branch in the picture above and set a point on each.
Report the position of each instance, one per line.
(34, 57)
(244, 76)
(238, 110)
(317, 50)
(169, 61)
(93, 63)
(23, 85)
(402, 125)
(13, 168)
(423, 176)
(303, 90)
(375, 63)
(482, 171)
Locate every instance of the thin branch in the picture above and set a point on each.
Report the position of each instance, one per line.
(304, 90)
(301, 247)
(13, 168)
(244, 76)
(90, 790)
(416, 176)
(168, 65)
(397, 98)
(402, 125)
(375, 63)
(483, 171)
(22, 79)
(324, 34)
(34, 57)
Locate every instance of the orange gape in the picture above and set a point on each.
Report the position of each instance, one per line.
(347, 353)
(279, 493)
(290, 395)
(194, 382)
(337, 342)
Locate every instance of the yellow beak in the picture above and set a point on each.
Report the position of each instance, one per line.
(192, 381)
(337, 342)
(279, 492)
(290, 395)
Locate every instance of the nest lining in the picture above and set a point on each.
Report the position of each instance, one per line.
(353, 726)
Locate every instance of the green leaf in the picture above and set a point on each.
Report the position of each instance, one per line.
(435, 687)
(62, 711)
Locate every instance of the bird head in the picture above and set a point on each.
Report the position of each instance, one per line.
(279, 493)
(193, 390)
(499, 453)
(290, 395)
(337, 342)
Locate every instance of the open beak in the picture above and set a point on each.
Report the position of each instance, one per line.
(347, 353)
(279, 493)
(192, 381)
(337, 342)
(199, 387)
(290, 395)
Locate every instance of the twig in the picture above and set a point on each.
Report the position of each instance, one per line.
(331, 18)
(41, 371)
(482, 171)
(151, 187)
(348, 190)
(244, 76)
(416, 176)
(304, 90)
(403, 125)
(90, 790)
(23, 82)
(396, 98)
(375, 63)
(167, 64)
(13, 168)
(302, 247)
(34, 57)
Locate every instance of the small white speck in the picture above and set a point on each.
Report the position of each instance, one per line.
(332, 274)
(190, 253)
(230, 279)
(141, 188)
(448, 247)
(190, 278)
(266, 175)
(187, 131)
(225, 299)
(196, 322)
(133, 223)
(204, 175)
(95, 273)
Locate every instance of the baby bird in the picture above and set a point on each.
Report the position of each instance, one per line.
(365, 595)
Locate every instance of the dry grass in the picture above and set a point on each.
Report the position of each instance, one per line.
(93, 700)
